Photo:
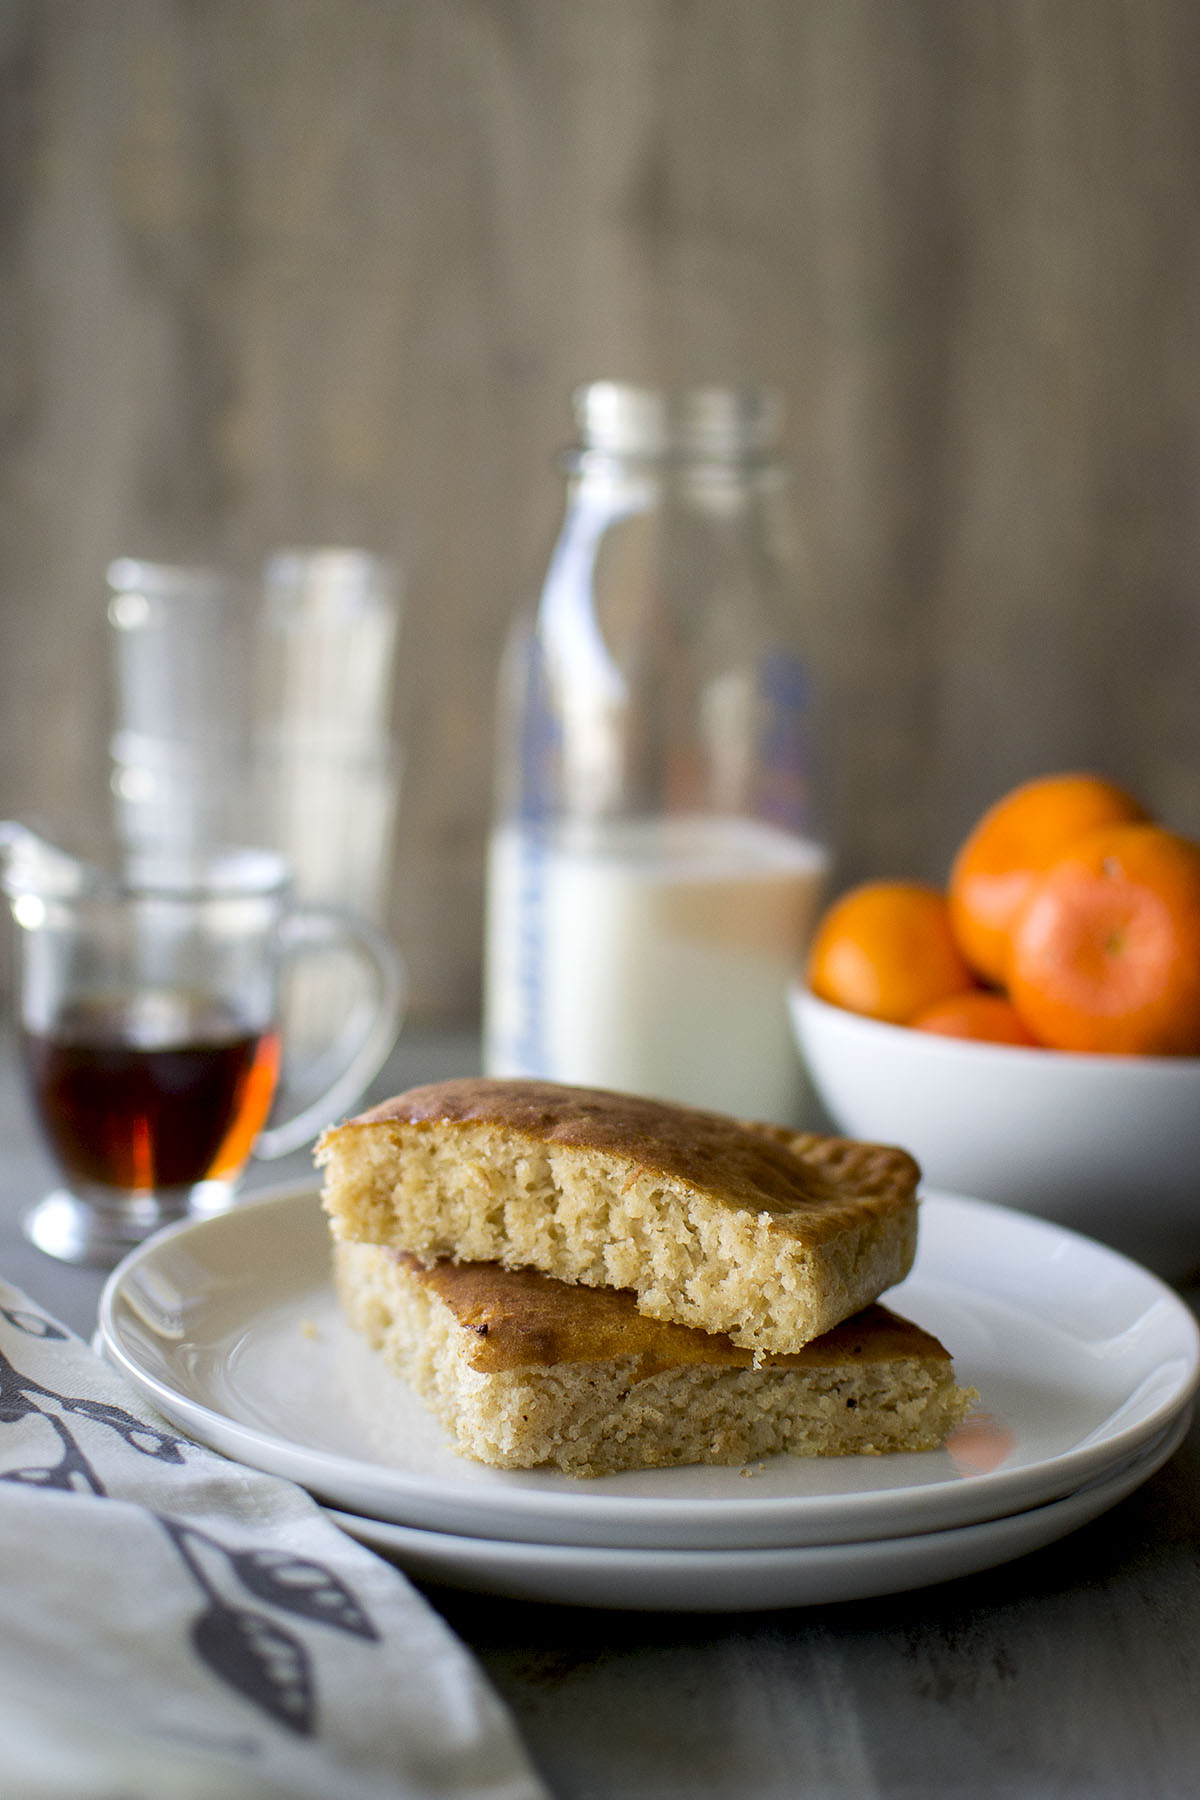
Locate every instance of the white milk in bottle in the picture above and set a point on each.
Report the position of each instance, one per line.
(654, 957)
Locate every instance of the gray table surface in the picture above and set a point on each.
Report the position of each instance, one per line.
(1072, 1672)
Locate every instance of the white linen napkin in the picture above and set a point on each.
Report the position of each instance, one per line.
(174, 1626)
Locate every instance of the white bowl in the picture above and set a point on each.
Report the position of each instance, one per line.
(1109, 1145)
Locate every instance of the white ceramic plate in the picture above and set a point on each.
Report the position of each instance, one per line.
(749, 1580)
(229, 1327)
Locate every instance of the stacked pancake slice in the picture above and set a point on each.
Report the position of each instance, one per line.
(595, 1282)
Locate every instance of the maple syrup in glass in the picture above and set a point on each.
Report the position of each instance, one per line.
(153, 1093)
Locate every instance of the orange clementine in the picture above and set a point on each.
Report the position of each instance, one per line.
(1017, 837)
(988, 1017)
(1105, 953)
(885, 948)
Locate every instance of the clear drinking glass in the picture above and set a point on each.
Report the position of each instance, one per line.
(148, 1004)
(181, 645)
(328, 765)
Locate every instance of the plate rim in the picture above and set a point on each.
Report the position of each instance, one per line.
(649, 1521)
(796, 1575)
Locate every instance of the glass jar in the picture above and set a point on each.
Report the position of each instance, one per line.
(655, 867)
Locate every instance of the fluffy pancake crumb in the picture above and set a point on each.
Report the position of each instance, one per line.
(724, 1226)
(526, 1372)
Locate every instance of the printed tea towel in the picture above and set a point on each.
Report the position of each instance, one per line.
(174, 1626)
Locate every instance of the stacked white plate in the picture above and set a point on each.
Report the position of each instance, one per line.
(1086, 1367)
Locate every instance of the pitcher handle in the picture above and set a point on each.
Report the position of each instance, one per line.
(308, 930)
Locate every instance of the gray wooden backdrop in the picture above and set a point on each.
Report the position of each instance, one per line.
(325, 271)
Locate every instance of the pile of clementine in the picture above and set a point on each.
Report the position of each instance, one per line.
(1070, 920)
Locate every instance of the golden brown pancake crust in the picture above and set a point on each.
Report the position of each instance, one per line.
(524, 1319)
(764, 1168)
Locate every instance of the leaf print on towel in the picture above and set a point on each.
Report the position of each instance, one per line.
(266, 1663)
(147, 1440)
(301, 1586)
(34, 1325)
(260, 1659)
(20, 1394)
(73, 1473)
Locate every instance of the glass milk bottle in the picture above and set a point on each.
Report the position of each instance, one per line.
(654, 868)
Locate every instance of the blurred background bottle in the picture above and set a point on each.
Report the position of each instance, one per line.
(655, 866)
